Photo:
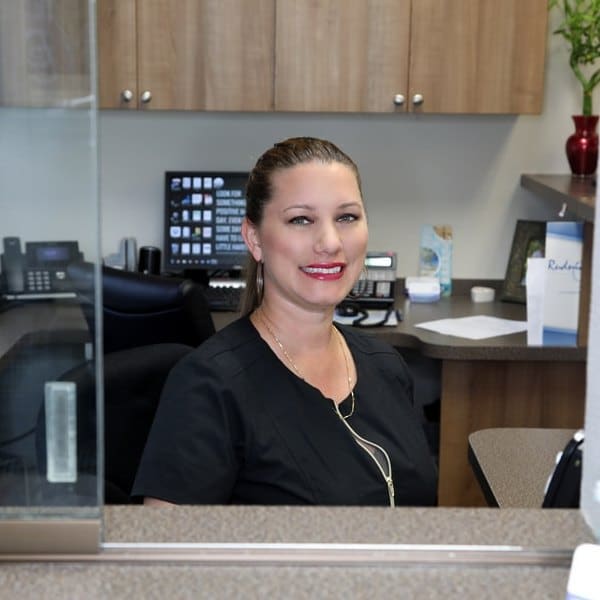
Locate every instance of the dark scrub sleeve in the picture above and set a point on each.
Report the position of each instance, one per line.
(189, 457)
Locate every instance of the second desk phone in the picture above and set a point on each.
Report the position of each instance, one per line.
(40, 272)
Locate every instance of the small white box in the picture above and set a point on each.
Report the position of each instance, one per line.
(423, 289)
(482, 294)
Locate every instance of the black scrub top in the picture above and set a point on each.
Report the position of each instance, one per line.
(236, 426)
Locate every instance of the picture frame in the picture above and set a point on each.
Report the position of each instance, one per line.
(529, 240)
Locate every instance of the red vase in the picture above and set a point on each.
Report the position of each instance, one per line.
(582, 146)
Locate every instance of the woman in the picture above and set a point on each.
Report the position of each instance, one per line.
(281, 406)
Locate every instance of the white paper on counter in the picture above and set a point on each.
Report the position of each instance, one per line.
(477, 327)
(535, 284)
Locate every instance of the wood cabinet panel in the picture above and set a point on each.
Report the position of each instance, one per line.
(45, 54)
(117, 53)
(482, 394)
(341, 55)
(206, 54)
(186, 54)
(478, 56)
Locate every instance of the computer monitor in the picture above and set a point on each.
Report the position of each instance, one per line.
(203, 216)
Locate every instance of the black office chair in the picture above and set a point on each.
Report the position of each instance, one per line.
(133, 381)
(140, 309)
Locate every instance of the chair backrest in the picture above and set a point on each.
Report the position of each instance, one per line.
(133, 382)
(563, 489)
(140, 309)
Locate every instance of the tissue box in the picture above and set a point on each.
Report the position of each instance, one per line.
(423, 289)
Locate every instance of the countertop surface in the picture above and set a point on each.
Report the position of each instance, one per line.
(554, 531)
(48, 317)
(406, 334)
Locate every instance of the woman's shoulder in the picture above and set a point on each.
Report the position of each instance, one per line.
(235, 347)
(237, 333)
(374, 353)
(366, 343)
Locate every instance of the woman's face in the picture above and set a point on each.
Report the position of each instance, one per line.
(313, 236)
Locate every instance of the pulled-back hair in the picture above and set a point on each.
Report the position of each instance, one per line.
(259, 189)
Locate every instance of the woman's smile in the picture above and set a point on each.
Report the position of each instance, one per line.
(324, 272)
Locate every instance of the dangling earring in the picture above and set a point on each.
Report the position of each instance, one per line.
(260, 282)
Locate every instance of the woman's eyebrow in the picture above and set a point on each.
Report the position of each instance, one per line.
(345, 205)
(299, 206)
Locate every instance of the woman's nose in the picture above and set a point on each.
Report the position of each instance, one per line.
(328, 238)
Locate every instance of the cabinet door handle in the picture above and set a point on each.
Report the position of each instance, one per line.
(146, 97)
(126, 95)
(418, 99)
(399, 100)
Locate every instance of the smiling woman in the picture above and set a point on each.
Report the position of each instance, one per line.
(37, 338)
(282, 407)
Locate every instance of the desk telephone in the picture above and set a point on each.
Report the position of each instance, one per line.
(39, 273)
(375, 291)
(377, 288)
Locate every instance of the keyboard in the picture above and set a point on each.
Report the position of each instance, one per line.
(224, 297)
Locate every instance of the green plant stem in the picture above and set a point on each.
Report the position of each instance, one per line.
(580, 27)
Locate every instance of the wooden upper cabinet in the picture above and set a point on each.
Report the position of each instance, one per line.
(189, 54)
(437, 56)
(341, 55)
(478, 56)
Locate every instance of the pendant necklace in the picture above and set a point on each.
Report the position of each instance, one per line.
(384, 464)
(264, 321)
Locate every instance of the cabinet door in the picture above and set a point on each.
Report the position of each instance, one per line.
(117, 58)
(478, 56)
(206, 54)
(341, 55)
(44, 54)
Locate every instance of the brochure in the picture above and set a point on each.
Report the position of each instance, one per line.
(564, 245)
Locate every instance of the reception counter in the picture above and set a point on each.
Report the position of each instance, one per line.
(291, 552)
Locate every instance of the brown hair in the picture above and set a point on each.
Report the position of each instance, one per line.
(259, 190)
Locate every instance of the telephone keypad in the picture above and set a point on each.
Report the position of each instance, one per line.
(38, 280)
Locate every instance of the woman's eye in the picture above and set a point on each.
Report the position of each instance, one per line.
(300, 220)
(348, 218)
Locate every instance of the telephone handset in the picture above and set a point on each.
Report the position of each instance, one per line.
(564, 484)
(39, 272)
(12, 265)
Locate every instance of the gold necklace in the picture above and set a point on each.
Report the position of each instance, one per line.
(264, 320)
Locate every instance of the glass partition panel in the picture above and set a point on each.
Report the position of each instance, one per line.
(49, 459)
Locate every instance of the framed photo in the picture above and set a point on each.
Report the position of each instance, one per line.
(529, 241)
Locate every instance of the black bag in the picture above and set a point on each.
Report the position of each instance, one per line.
(564, 486)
